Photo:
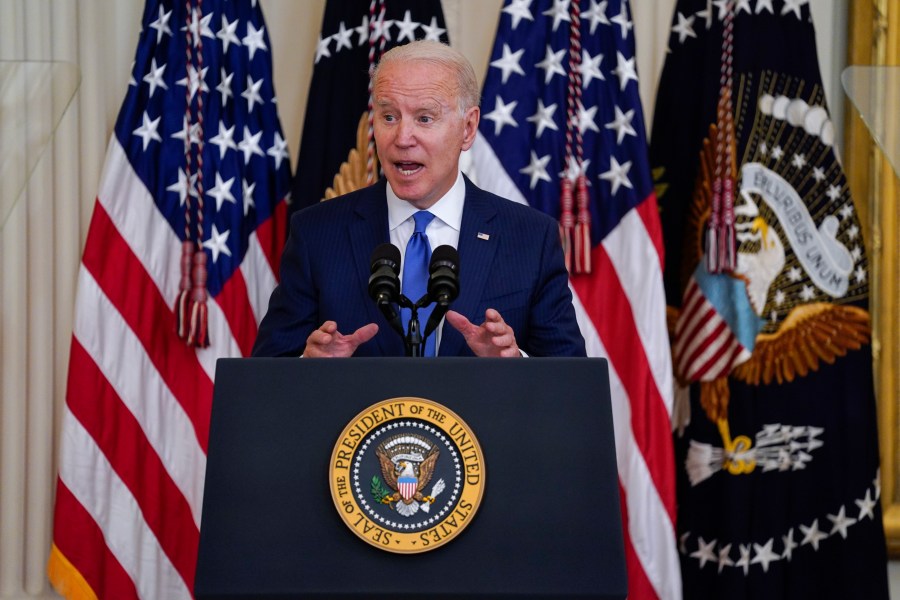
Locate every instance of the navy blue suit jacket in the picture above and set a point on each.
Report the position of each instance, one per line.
(510, 260)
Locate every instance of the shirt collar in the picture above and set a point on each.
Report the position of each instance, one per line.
(448, 209)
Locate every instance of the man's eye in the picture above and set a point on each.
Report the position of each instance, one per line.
(389, 118)
(426, 119)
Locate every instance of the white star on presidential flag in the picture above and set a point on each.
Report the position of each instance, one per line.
(793, 6)
(147, 130)
(543, 118)
(586, 118)
(744, 561)
(194, 81)
(217, 243)
(623, 21)
(559, 12)
(247, 195)
(764, 4)
(406, 29)
(552, 64)
(161, 24)
(841, 522)
(624, 70)
(222, 192)
(155, 77)
(251, 94)
(866, 506)
(363, 30)
(574, 169)
(724, 6)
(812, 535)
(181, 186)
(432, 31)
(278, 150)
(199, 26)
(617, 174)
(596, 14)
(789, 544)
(224, 139)
(622, 124)
(224, 87)
(590, 69)
(254, 39)
(322, 50)
(342, 38)
(502, 115)
(227, 33)
(249, 144)
(509, 62)
(537, 170)
(764, 555)
(193, 134)
(518, 10)
(381, 28)
(684, 28)
(724, 558)
(705, 552)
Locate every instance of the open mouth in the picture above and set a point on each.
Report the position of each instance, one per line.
(408, 168)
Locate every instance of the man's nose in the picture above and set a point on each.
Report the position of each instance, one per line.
(406, 133)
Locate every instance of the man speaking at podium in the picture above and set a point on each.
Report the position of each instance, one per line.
(513, 295)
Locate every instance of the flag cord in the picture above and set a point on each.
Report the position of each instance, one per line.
(375, 6)
(191, 311)
(720, 240)
(575, 228)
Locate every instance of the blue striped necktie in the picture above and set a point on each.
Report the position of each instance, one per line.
(415, 274)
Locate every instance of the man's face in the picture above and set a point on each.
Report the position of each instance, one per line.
(419, 131)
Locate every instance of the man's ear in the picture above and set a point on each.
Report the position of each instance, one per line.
(470, 120)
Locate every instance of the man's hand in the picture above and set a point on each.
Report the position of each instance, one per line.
(328, 342)
(492, 338)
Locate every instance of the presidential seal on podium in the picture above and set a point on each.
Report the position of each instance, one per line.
(407, 475)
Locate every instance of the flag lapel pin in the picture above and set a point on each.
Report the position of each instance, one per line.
(483, 236)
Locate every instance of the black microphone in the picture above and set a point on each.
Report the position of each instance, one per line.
(443, 283)
(384, 282)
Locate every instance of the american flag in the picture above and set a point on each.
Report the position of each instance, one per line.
(560, 102)
(197, 155)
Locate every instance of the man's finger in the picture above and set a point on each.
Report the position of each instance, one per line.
(365, 333)
(460, 323)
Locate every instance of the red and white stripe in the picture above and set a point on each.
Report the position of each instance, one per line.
(136, 420)
(705, 346)
(620, 308)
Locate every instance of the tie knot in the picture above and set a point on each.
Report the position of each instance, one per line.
(422, 218)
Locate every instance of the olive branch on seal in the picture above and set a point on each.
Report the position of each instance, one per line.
(379, 491)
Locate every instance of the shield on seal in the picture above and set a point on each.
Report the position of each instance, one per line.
(407, 486)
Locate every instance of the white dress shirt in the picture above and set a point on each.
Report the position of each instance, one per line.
(443, 229)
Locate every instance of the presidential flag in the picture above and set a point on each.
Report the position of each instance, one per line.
(562, 130)
(337, 150)
(778, 467)
(180, 259)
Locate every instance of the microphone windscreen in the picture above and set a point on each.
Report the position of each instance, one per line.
(444, 256)
(386, 254)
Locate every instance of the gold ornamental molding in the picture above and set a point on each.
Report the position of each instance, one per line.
(874, 39)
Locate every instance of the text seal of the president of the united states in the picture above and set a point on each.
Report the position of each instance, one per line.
(407, 475)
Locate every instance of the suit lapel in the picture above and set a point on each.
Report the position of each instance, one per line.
(478, 238)
(368, 229)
